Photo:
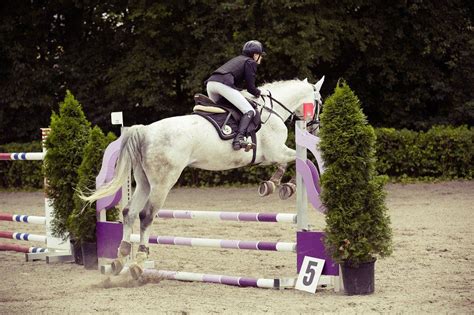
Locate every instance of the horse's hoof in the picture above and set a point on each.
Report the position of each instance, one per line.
(266, 188)
(287, 190)
(136, 271)
(117, 266)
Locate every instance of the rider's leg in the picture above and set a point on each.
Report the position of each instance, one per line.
(216, 89)
(239, 141)
(213, 91)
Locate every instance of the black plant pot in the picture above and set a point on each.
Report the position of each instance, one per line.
(89, 255)
(76, 251)
(358, 280)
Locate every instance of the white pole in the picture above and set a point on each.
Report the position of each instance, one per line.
(301, 194)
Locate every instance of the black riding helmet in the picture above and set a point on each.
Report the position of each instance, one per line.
(253, 47)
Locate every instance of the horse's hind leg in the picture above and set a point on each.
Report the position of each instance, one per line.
(130, 213)
(146, 218)
(125, 247)
(158, 193)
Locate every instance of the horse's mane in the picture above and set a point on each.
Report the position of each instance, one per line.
(283, 88)
(279, 84)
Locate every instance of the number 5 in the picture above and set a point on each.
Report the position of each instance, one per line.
(310, 273)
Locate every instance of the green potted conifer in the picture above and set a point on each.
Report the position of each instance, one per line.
(65, 144)
(82, 221)
(357, 224)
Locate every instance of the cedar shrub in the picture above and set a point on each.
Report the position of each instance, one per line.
(82, 221)
(357, 224)
(65, 147)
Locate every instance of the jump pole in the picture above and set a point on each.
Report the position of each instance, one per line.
(22, 249)
(227, 216)
(56, 249)
(309, 243)
(150, 273)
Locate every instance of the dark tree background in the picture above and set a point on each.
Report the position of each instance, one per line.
(410, 62)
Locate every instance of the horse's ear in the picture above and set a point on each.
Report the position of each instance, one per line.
(305, 80)
(319, 84)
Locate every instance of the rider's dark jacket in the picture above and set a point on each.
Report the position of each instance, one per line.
(235, 71)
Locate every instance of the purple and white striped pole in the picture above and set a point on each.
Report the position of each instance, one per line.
(149, 274)
(220, 279)
(217, 243)
(227, 216)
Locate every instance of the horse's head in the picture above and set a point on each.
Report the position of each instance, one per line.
(287, 97)
(317, 99)
(311, 95)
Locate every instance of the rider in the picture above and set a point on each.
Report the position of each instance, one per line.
(223, 82)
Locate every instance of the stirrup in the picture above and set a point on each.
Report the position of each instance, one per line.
(242, 144)
(249, 146)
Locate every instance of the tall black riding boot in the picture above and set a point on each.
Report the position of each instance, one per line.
(239, 141)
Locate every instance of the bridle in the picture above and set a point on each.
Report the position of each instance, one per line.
(271, 110)
(314, 121)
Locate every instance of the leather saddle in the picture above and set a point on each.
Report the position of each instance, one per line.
(225, 117)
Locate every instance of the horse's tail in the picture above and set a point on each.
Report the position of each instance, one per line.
(129, 156)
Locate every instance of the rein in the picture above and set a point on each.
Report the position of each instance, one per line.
(272, 111)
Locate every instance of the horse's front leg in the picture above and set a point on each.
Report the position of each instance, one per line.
(268, 187)
(287, 189)
(284, 156)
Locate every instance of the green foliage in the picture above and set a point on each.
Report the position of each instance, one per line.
(21, 174)
(65, 144)
(82, 221)
(444, 152)
(28, 83)
(410, 61)
(358, 227)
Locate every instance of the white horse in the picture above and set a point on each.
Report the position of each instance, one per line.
(159, 152)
